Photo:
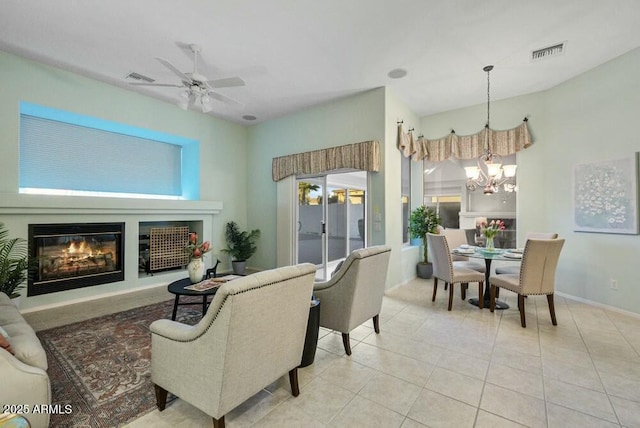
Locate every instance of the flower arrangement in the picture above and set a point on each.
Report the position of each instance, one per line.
(196, 250)
(492, 229)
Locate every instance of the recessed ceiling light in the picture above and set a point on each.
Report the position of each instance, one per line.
(249, 117)
(397, 73)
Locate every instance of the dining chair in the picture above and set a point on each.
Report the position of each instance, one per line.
(537, 275)
(456, 238)
(444, 269)
(515, 269)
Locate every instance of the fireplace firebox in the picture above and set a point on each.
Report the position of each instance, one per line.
(74, 255)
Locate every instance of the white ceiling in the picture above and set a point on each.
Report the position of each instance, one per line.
(298, 53)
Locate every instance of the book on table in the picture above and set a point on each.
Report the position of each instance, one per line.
(210, 283)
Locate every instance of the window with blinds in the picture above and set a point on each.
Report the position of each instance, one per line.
(67, 153)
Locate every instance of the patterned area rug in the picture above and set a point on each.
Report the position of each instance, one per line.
(102, 366)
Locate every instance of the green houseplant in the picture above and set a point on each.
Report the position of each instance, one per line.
(424, 220)
(240, 245)
(14, 262)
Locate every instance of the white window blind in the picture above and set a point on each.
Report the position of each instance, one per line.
(58, 155)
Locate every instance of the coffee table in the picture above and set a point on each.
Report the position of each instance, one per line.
(177, 288)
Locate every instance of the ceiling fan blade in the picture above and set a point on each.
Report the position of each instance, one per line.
(224, 98)
(171, 67)
(226, 82)
(156, 84)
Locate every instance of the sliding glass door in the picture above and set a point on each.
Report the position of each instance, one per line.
(331, 219)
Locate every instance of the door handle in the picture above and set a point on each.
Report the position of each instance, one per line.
(324, 227)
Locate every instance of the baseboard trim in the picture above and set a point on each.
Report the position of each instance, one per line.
(598, 304)
(91, 298)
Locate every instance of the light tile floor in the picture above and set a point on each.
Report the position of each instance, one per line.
(434, 368)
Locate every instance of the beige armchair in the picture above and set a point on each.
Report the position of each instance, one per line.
(252, 334)
(444, 269)
(515, 269)
(354, 293)
(537, 275)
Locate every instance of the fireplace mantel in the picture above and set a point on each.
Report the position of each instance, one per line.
(49, 204)
(18, 211)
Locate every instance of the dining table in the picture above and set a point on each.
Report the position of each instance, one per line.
(489, 255)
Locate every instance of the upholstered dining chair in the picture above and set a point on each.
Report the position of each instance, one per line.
(354, 293)
(443, 269)
(252, 334)
(515, 269)
(456, 238)
(537, 275)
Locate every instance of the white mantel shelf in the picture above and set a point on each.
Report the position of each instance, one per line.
(48, 204)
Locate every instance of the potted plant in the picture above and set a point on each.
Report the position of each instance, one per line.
(424, 220)
(14, 262)
(240, 246)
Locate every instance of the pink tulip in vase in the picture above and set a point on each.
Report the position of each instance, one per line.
(196, 251)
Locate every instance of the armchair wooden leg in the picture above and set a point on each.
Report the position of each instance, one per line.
(497, 292)
(346, 343)
(463, 290)
(376, 323)
(435, 288)
(523, 322)
(450, 295)
(492, 298)
(480, 295)
(218, 423)
(552, 309)
(161, 397)
(293, 380)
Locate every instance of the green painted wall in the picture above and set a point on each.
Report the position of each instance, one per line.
(587, 118)
(404, 258)
(222, 143)
(346, 121)
(584, 119)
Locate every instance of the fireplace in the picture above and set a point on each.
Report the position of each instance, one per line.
(74, 255)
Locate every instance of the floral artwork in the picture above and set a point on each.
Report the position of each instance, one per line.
(606, 196)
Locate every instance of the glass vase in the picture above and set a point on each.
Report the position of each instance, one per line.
(195, 268)
(489, 245)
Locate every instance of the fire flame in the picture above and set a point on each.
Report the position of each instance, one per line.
(80, 249)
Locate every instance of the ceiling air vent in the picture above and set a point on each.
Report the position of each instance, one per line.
(548, 52)
(139, 77)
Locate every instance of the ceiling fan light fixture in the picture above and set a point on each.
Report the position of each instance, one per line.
(184, 103)
(206, 107)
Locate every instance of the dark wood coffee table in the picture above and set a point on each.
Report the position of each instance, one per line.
(177, 288)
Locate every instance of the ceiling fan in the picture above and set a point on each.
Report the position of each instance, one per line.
(197, 88)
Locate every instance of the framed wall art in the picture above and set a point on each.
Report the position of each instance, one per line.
(605, 196)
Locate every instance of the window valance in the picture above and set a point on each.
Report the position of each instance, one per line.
(505, 142)
(363, 156)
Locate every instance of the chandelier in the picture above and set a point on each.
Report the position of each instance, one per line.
(490, 174)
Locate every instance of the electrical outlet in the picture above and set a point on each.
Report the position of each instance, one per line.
(614, 284)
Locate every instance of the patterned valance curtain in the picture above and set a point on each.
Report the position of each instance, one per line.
(506, 142)
(363, 156)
